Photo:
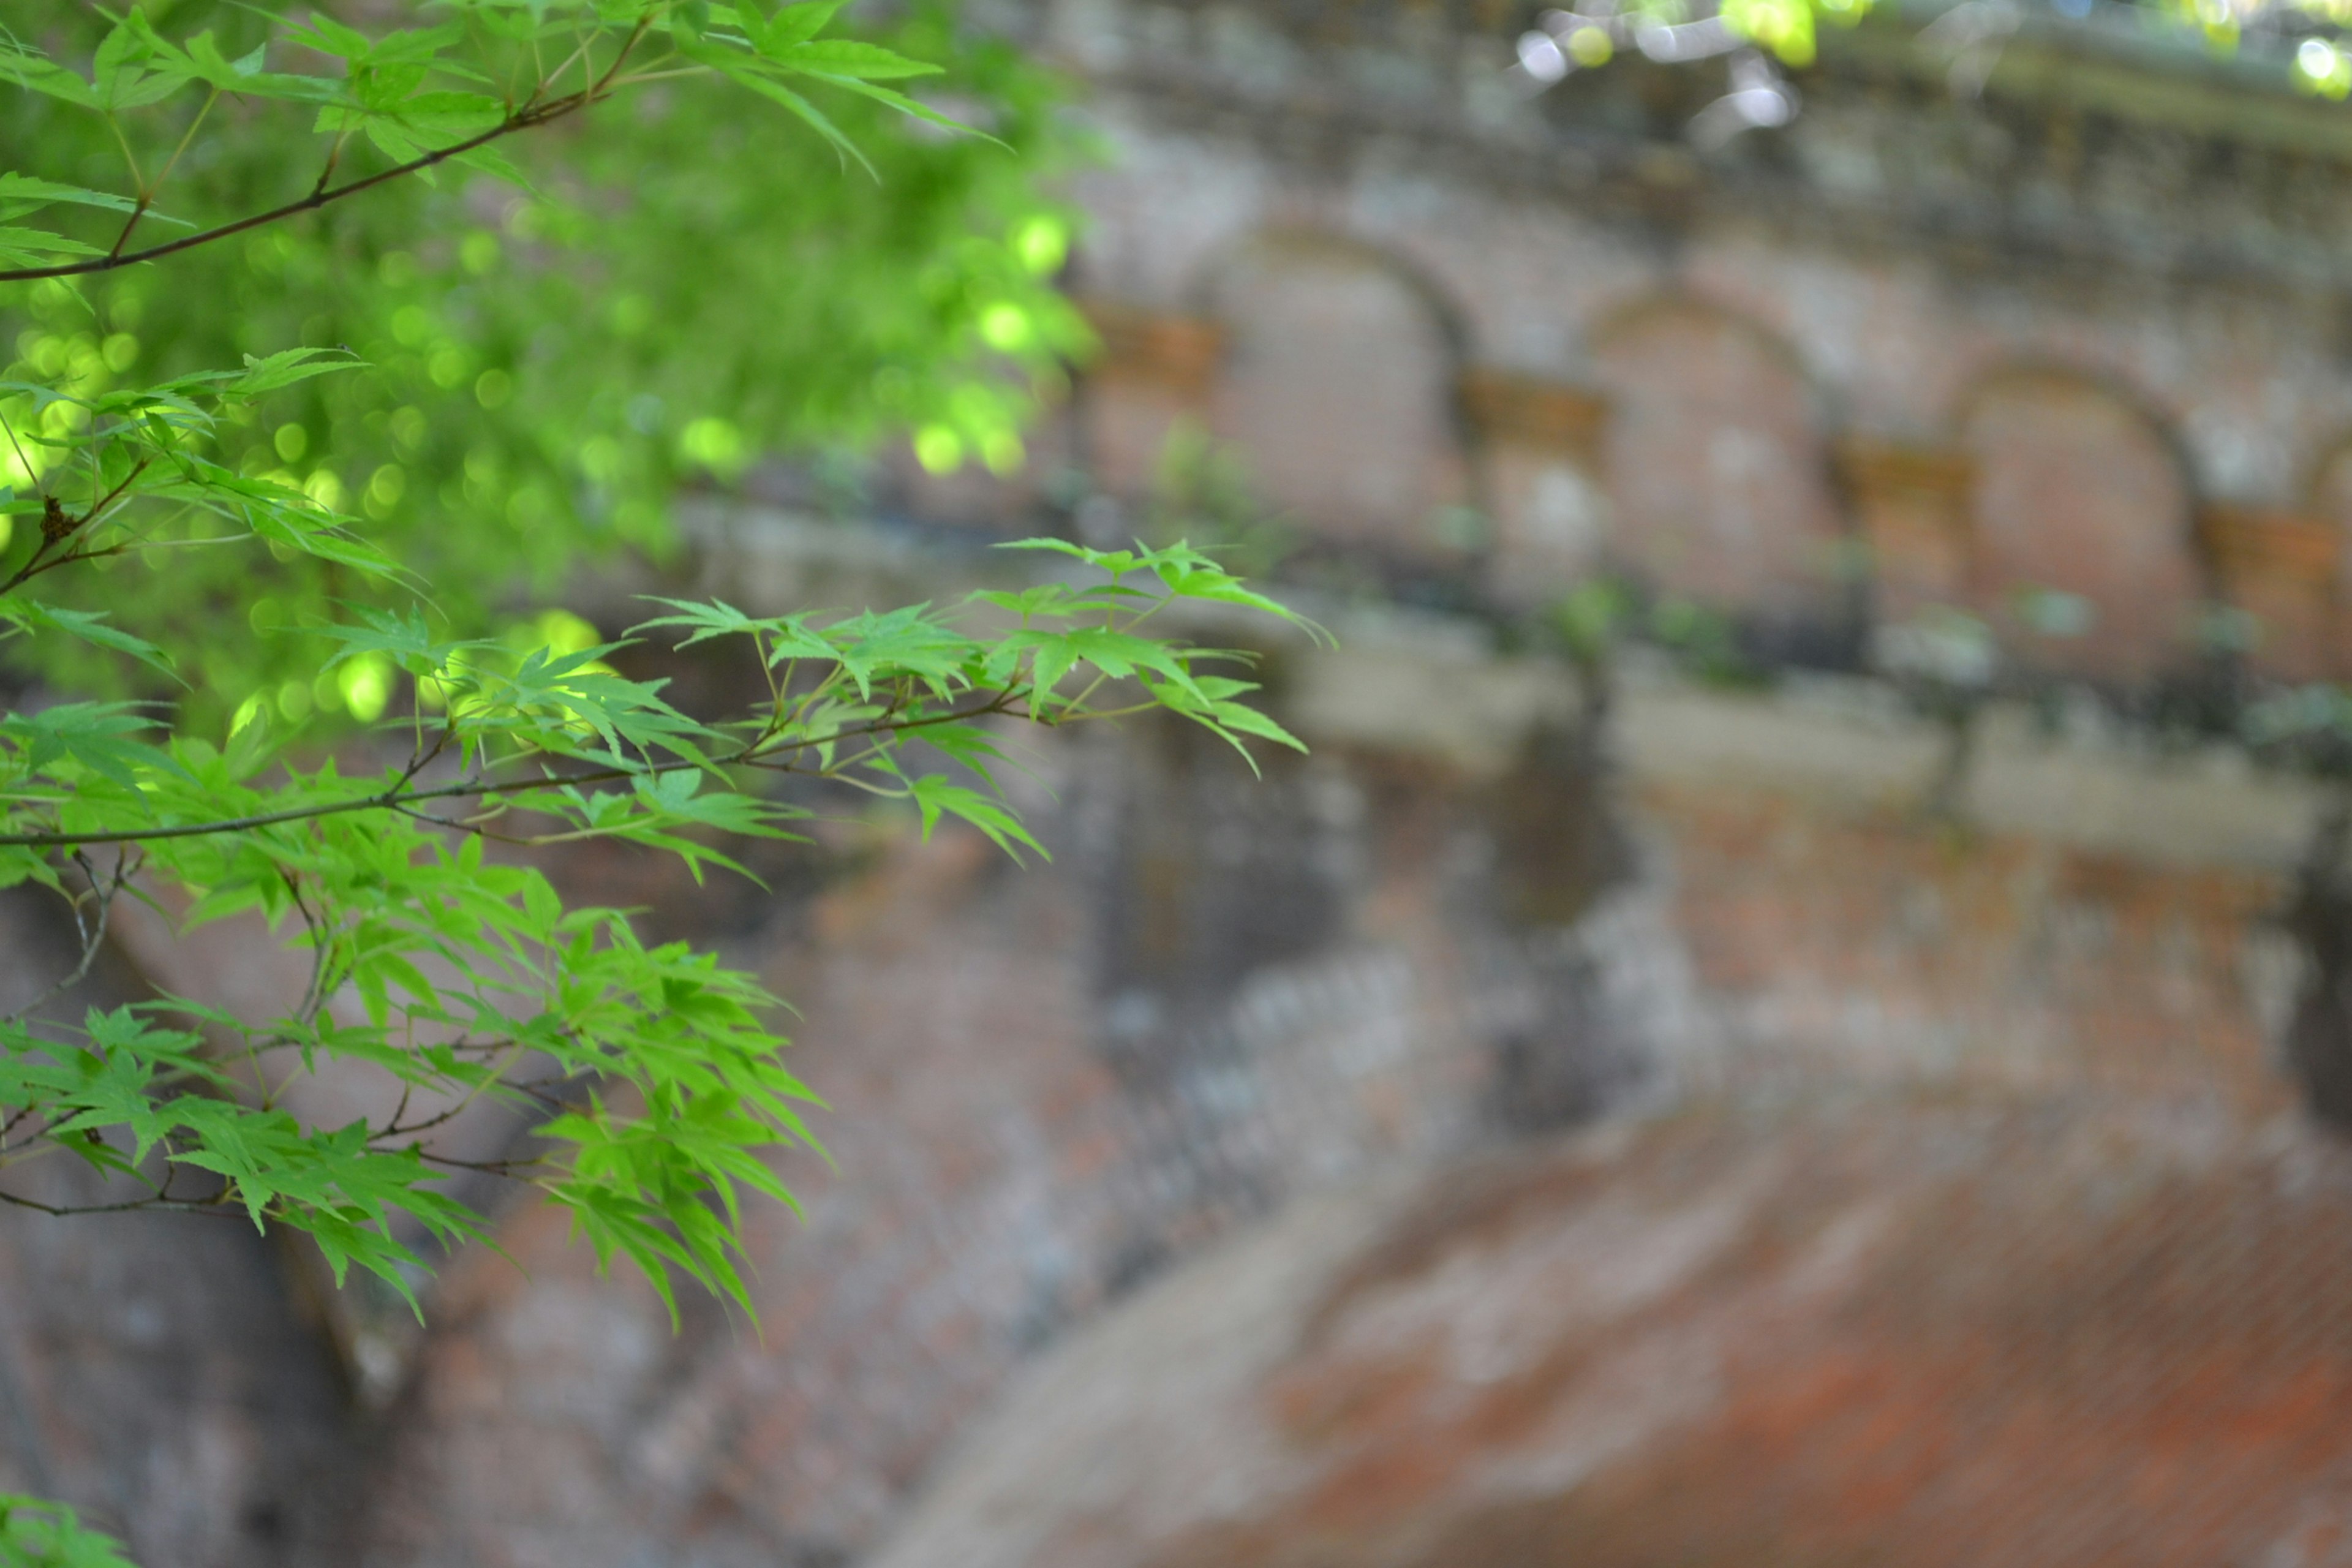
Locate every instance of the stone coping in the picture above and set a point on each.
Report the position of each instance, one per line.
(1436, 685)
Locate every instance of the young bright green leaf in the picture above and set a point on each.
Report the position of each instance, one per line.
(796, 23)
(16, 189)
(90, 626)
(266, 498)
(38, 1534)
(849, 57)
(934, 796)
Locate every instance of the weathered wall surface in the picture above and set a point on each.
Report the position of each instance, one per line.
(1054, 1086)
(1476, 345)
(170, 1376)
(1047, 1086)
(1867, 1328)
(1458, 925)
(2083, 334)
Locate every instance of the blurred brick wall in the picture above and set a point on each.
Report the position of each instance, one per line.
(2107, 323)
(1047, 1087)
(1052, 1086)
(1864, 1328)
(1880, 950)
(1400, 290)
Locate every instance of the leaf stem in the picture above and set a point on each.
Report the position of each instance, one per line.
(528, 118)
(400, 797)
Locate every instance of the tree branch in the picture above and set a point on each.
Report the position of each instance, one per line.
(400, 798)
(92, 933)
(528, 118)
(58, 525)
(154, 1201)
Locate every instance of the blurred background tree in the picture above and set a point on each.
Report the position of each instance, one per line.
(579, 268)
(547, 370)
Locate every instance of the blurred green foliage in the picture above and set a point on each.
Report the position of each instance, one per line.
(690, 283)
(1202, 492)
(38, 1534)
(183, 514)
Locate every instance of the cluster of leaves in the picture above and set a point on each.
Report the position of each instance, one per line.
(549, 362)
(1203, 490)
(40, 1534)
(443, 970)
(457, 977)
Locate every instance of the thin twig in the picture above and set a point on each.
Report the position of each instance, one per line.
(92, 932)
(147, 191)
(493, 1167)
(314, 994)
(399, 797)
(34, 565)
(526, 118)
(38, 567)
(155, 1201)
(474, 830)
(23, 461)
(392, 1129)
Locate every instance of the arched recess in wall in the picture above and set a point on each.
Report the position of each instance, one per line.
(1338, 389)
(1717, 474)
(2076, 488)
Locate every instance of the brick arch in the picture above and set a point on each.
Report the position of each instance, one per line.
(2079, 485)
(1715, 463)
(1337, 385)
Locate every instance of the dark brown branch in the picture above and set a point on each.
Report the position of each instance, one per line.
(400, 798)
(472, 829)
(36, 568)
(491, 1167)
(137, 212)
(154, 1201)
(394, 1129)
(528, 118)
(58, 526)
